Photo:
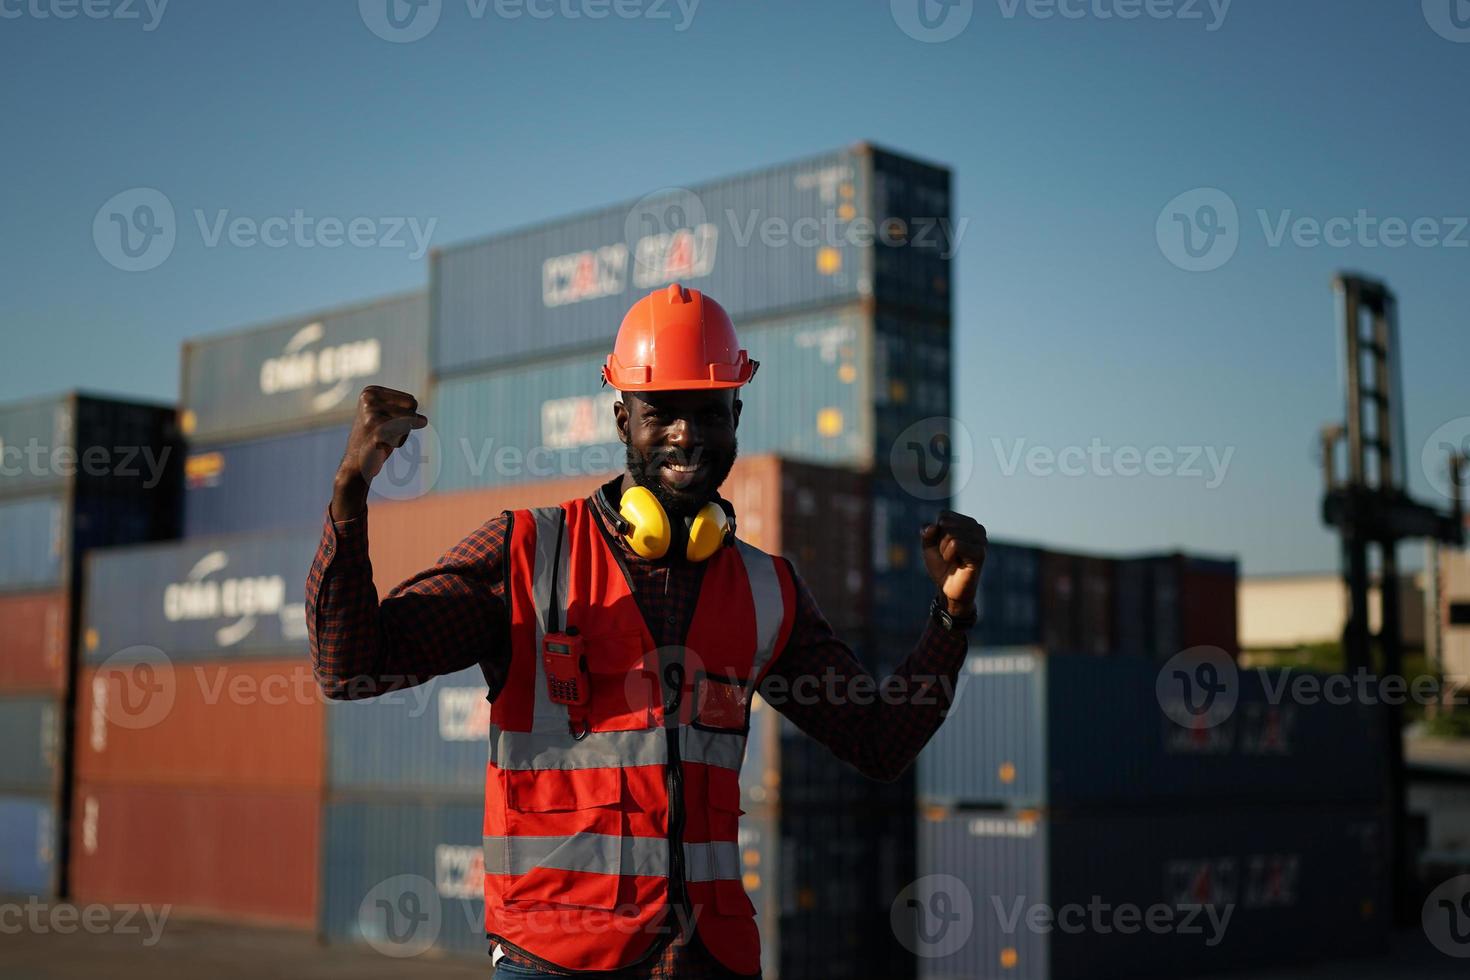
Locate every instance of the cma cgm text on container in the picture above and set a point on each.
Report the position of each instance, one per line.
(304, 371)
(853, 225)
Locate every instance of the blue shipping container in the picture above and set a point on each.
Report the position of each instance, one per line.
(32, 542)
(30, 432)
(386, 856)
(802, 235)
(223, 596)
(305, 371)
(1063, 730)
(30, 731)
(1164, 894)
(835, 388)
(282, 481)
(28, 846)
(432, 738)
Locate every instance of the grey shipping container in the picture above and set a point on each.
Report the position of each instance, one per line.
(33, 542)
(902, 588)
(382, 856)
(304, 371)
(28, 845)
(1069, 730)
(847, 226)
(283, 481)
(832, 385)
(431, 738)
(31, 732)
(227, 596)
(1171, 894)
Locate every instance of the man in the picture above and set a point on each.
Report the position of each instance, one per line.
(622, 637)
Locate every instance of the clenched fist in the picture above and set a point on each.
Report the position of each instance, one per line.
(954, 553)
(385, 417)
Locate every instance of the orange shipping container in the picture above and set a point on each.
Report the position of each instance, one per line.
(242, 725)
(817, 516)
(33, 642)
(240, 856)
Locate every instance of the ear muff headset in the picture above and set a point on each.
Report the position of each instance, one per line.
(646, 526)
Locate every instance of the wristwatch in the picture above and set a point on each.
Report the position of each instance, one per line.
(940, 614)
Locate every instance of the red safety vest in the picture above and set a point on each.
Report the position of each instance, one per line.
(591, 842)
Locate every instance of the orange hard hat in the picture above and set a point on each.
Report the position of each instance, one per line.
(676, 338)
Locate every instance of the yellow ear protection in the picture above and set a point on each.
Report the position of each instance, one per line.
(644, 523)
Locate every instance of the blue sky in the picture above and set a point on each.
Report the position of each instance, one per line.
(1068, 136)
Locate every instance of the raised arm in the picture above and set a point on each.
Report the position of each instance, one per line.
(444, 619)
(876, 726)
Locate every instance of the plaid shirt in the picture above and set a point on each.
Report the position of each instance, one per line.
(454, 615)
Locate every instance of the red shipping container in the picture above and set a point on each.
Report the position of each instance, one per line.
(241, 725)
(33, 642)
(1208, 604)
(236, 856)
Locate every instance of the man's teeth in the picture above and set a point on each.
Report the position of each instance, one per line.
(682, 467)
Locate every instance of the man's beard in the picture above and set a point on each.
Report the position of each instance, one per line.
(679, 504)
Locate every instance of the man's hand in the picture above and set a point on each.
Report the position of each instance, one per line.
(384, 419)
(954, 553)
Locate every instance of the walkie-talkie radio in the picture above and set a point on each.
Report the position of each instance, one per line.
(563, 660)
(566, 667)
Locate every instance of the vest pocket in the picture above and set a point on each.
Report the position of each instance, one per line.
(564, 843)
(721, 703)
(724, 803)
(624, 682)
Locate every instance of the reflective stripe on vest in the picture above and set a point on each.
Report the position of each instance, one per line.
(611, 750)
(608, 854)
(765, 590)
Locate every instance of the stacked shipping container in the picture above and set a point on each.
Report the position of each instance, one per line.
(75, 472)
(1063, 781)
(200, 730)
